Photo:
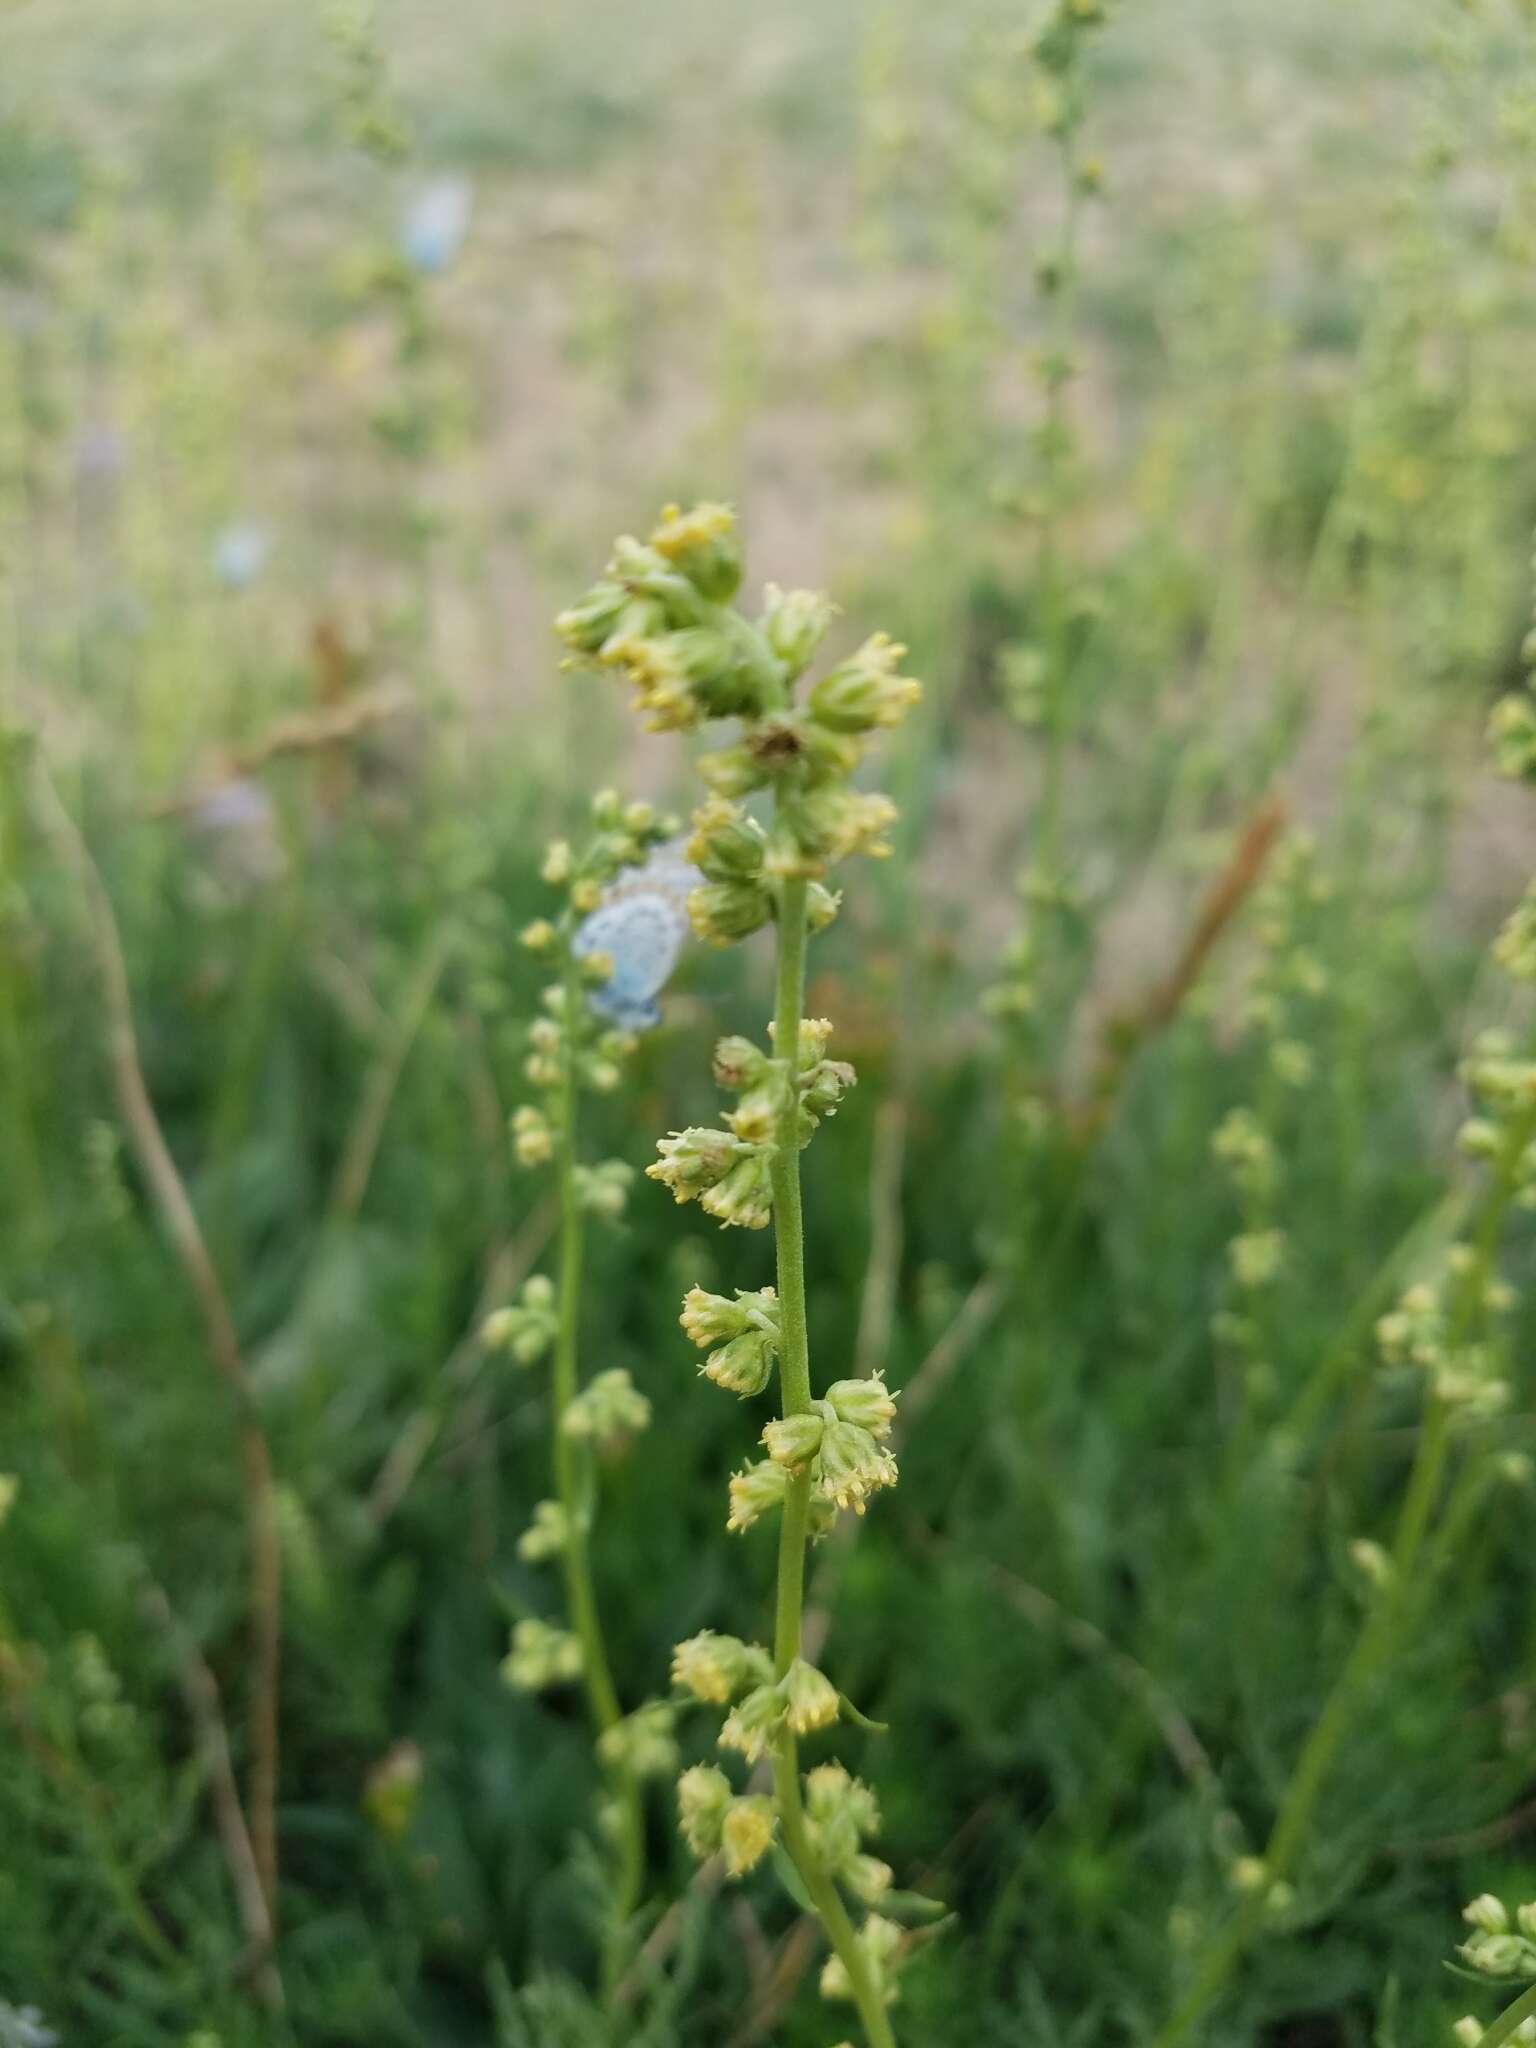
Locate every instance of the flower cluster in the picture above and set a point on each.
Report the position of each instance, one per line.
(842, 1813)
(1433, 1330)
(541, 1656)
(717, 1821)
(740, 1336)
(662, 616)
(1501, 1944)
(729, 1172)
(642, 1743)
(609, 1410)
(881, 1940)
(1290, 980)
(525, 1327)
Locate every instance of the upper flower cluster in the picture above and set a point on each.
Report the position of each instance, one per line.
(661, 615)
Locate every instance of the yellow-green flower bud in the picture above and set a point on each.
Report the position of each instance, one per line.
(587, 624)
(701, 544)
(739, 1064)
(867, 690)
(880, 1940)
(1487, 1914)
(559, 863)
(603, 1190)
(746, 1833)
(794, 623)
(1498, 1955)
(823, 1087)
(526, 1328)
(541, 1656)
(716, 1668)
(539, 936)
(754, 1721)
(722, 913)
(532, 1139)
(810, 1698)
(1257, 1256)
(693, 1160)
(660, 681)
(703, 1794)
(825, 825)
(1512, 735)
(834, 1797)
(546, 1535)
(793, 1440)
(821, 907)
(711, 1319)
(732, 771)
(393, 1789)
(642, 1742)
(726, 844)
(743, 1366)
(745, 1196)
(851, 1466)
(755, 1492)
(867, 1878)
(755, 1118)
(608, 1409)
(868, 1403)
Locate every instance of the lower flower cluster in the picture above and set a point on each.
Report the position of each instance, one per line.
(839, 1812)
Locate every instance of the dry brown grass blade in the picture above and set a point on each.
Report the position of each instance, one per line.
(324, 731)
(186, 1237)
(1125, 1035)
(200, 1690)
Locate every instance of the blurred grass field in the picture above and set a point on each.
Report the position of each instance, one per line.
(283, 522)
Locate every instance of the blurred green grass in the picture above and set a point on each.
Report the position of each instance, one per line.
(787, 258)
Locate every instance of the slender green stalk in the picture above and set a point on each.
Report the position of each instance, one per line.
(1510, 2020)
(1380, 1636)
(795, 1399)
(1373, 1646)
(573, 1492)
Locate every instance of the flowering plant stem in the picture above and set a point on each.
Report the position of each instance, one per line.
(573, 1494)
(1376, 1641)
(1510, 2020)
(795, 1399)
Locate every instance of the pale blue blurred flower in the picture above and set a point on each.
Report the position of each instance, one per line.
(21, 2026)
(436, 223)
(240, 554)
(101, 454)
(237, 826)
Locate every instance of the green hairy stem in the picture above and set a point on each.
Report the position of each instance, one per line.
(570, 1473)
(795, 1399)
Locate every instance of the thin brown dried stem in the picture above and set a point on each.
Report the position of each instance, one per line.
(200, 1690)
(186, 1237)
(1125, 1036)
(300, 732)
